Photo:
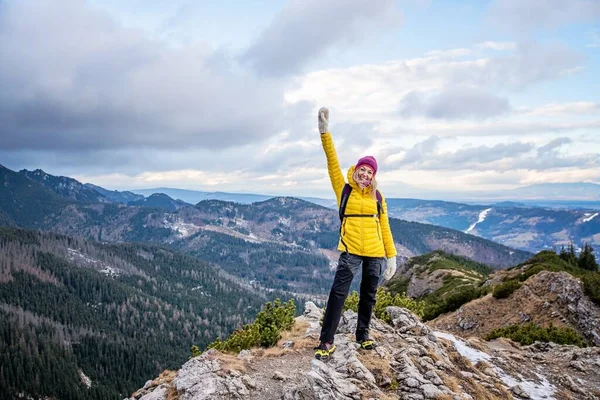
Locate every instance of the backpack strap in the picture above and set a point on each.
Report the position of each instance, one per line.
(344, 200)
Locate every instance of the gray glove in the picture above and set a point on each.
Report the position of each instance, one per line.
(323, 120)
(391, 269)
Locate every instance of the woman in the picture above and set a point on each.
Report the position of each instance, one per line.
(365, 238)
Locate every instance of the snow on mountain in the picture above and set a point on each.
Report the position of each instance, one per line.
(589, 217)
(482, 216)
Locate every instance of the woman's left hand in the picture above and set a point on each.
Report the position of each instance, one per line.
(391, 269)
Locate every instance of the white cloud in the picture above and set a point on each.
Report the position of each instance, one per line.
(563, 109)
(305, 29)
(498, 46)
(454, 102)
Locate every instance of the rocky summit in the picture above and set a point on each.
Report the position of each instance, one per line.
(412, 361)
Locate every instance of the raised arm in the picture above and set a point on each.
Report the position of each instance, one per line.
(333, 164)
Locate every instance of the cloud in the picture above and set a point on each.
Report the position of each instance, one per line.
(306, 29)
(543, 13)
(553, 145)
(74, 79)
(498, 46)
(370, 91)
(418, 154)
(455, 102)
(429, 155)
(564, 109)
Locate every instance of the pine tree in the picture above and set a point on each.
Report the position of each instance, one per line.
(587, 259)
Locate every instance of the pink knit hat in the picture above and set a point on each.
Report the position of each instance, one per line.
(369, 161)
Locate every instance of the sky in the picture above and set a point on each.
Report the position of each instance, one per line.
(223, 96)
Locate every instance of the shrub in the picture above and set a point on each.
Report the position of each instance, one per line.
(265, 331)
(385, 299)
(591, 286)
(453, 301)
(505, 289)
(528, 333)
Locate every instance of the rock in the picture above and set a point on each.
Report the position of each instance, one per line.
(517, 390)
(199, 379)
(577, 365)
(279, 376)
(160, 393)
(148, 384)
(249, 382)
(245, 355)
(434, 378)
(430, 391)
(386, 381)
(467, 324)
(311, 311)
(288, 344)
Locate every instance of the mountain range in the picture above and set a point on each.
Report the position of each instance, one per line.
(105, 290)
(514, 224)
(286, 226)
(551, 195)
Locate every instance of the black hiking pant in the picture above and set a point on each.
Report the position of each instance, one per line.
(347, 268)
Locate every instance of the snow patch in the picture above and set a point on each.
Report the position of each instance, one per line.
(183, 229)
(482, 216)
(85, 380)
(588, 217)
(77, 256)
(541, 390)
(464, 349)
(285, 221)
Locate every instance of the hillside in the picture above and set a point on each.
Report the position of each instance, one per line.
(544, 291)
(470, 299)
(65, 187)
(114, 195)
(116, 313)
(412, 361)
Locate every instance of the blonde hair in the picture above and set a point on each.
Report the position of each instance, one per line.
(373, 184)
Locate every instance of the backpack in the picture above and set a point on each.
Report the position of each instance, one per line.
(344, 201)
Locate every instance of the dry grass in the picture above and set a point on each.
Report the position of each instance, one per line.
(450, 383)
(172, 394)
(434, 356)
(373, 361)
(296, 334)
(231, 362)
(165, 377)
(564, 395)
(444, 397)
(380, 396)
(479, 392)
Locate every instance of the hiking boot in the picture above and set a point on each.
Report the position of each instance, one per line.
(324, 351)
(367, 344)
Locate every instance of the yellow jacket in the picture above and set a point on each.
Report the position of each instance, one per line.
(369, 237)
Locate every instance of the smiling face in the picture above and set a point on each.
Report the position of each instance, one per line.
(365, 173)
(363, 176)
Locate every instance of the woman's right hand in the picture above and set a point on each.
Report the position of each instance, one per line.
(323, 120)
